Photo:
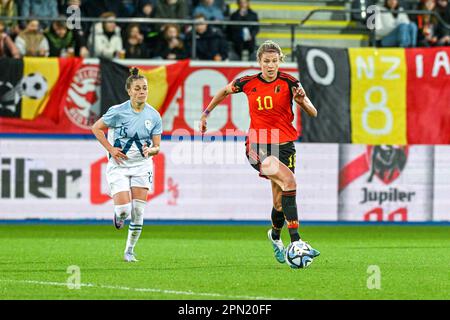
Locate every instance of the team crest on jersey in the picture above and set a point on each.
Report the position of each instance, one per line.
(277, 89)
(148, 124)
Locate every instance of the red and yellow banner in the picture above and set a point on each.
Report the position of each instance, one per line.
(392, 96)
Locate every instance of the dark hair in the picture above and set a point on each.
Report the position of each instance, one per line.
(108, 14)
(59, 24)
(131, 26)
(386, 4)
(134, 75)
(238, 2)
(167, 27)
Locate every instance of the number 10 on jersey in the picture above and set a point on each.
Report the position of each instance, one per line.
(267, 101)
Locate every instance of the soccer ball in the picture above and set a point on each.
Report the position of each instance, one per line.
(298, 255)
(34, 86)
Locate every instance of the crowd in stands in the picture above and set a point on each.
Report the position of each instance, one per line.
(40, 37)
(398, 28)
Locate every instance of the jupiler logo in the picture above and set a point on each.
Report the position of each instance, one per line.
(386, 162)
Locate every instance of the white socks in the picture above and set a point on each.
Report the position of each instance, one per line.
(135, 228)
(122, 211)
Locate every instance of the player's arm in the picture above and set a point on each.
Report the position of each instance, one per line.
(98, 130)
(218, 98)
(303, 101)
(154, 150)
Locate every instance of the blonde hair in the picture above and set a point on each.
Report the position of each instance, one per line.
(269, 46)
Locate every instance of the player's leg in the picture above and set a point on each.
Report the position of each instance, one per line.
(139, 196)
(119, 189)
(277, 218)
(277, 215)
(122, 208)
(280, 174)
(140, 183)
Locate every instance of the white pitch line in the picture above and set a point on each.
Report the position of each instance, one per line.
(155, 290)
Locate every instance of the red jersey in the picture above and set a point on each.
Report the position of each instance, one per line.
(270, 106)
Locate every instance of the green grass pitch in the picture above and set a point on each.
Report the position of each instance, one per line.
(223, 262)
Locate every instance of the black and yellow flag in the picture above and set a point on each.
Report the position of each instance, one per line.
(25, 86)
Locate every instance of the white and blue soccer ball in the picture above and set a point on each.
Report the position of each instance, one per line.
(34, 85)
(298, 255)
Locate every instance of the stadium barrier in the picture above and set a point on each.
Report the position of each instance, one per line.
(63, 179)
(205, 180)
(75, 20)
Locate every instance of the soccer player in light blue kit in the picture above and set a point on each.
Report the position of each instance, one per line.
(134, 136)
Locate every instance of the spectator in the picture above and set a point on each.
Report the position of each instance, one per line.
(8, 8)
(221, 4)
(95, 8)
(147, 11)
(210, 42)
(149, 30)
(79, 34)
(106, 40)
(134, 44)
(443, 9)
(209, 10)
(171, 9)
(31, 41)
(60, 39)
(170, 46)
(7, 46)
(395, 29)
(243, 38)
(427, 25)
(128, 8)
(40, 8)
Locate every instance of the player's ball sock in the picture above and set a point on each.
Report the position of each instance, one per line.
(277, 223)
(289, 204)
(137, 221)
(122, 211)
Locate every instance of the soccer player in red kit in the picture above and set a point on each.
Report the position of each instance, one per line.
(269, 145)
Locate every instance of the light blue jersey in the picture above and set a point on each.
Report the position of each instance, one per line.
(130, 130)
